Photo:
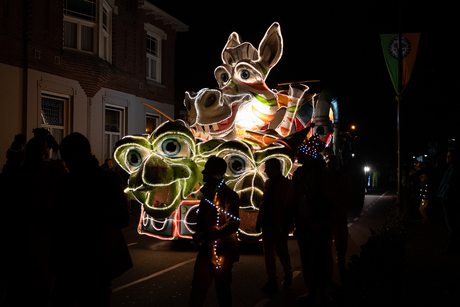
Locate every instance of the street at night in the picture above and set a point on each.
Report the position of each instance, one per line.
(163, 270)
(221, 125)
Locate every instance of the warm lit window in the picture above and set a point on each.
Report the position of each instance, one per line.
(154, 57)
(114, 123)
(151, 123)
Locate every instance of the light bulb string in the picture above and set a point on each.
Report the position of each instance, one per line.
(218, 259)
(219, 209)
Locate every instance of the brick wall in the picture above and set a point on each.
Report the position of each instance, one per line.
(38, 24)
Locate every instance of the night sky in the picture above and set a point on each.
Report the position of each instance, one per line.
(340, 45)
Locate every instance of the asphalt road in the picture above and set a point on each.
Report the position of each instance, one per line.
(162, 270)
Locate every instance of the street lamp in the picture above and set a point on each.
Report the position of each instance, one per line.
(366, 175)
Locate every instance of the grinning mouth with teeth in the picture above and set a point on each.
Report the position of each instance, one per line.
(218, 129)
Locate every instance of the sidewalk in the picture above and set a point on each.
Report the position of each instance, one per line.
(431, 278)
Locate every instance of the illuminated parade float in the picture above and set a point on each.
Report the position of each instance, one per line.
(244, 122)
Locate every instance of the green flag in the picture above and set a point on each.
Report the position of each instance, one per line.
(390, 45)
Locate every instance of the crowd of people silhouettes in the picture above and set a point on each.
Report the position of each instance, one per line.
(58, 260)
(69, 265)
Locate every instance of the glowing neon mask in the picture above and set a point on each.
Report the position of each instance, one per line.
(161, 166)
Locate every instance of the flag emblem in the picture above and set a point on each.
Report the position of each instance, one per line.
(393, 47)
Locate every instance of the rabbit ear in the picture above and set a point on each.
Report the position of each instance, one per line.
(271, 47)
(233, 40)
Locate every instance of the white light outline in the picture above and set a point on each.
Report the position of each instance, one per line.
(238, 101)
(170, 164)
(146, 216)
(252, 173)
(185, 218)
(146, 219)
(198, 98)
(283, 159)
(164, 222)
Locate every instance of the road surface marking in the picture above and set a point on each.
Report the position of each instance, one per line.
(152, 276)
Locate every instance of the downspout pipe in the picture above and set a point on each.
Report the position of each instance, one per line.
(25, 77)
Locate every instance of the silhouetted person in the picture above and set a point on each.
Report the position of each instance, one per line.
(449, 191)
(344, 197)
(274, 239)
(91, 209)
(31, 193)
(108, 165)
(427, 192)
(15, 155)
(9, 181)
(47, 136)
(311, 198)
(215, 237)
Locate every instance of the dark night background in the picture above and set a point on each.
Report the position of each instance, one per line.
(337, 42)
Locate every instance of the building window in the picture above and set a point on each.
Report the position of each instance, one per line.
(105, 43)
(78, 35)
(154, 57)
(151, 123)
(55, 115)
(82, 9)
(87, 27)
(80, 24)
(114, 126)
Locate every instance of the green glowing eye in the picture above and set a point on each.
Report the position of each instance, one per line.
(174, 148)
(134, 158)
